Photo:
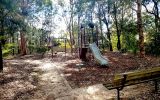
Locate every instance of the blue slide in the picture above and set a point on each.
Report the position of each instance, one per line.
(97, 55)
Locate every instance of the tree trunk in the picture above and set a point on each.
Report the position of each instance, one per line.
(1, 58)
(109, 35)
(18, 47)
(157, 19)
(107, 25)
(118, 31)
(70, 35)
(140, 28)
(23, 44)
(1, 42)
(13, 44)
(100, 23)
(78, 36)
(71, 27)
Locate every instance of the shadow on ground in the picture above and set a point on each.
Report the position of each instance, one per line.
(19, 79)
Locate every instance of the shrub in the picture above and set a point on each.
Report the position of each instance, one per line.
(153, 47)
(41, 49)
(8, 49)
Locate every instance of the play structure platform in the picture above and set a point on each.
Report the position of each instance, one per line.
(97, 55)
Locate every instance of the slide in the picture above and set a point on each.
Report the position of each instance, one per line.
(97, 55)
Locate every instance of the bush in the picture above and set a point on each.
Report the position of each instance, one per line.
(153, 47)
(8, 49)
(6, 53)
(31, 48)
(41, 49)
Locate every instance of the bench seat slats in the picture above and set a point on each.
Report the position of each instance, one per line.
(111, 86)
(131, 78)
(135, 77)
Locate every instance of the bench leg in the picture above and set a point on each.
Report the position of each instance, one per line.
(118, 94)
(156, 86)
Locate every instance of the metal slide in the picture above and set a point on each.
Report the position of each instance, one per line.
(97, 55)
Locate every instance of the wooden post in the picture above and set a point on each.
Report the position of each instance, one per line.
(1, 58)
(84, 39)
(80, 48)
(65, 47)
(83, 53)
(97, 36)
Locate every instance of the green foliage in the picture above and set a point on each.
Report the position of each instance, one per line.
(9, 46)
(41, 50)
(153, 47)
(129, 37)
(7, 49)
(114, 40)
(105, 44)
(8, 4)
(31, 48)
(6, 53)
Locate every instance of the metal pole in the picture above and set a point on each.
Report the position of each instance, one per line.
(118, 94)
(156, 86)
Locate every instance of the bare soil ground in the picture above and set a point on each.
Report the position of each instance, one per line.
(92, 73)
(31, 77)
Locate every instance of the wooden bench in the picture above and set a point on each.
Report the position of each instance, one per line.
(131, 78)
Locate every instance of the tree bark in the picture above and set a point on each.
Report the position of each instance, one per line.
(23, 44)
(13, 44)
(100, 23)
(118, 31)
(71, 27)
(78, 40)
(1, 41)
(140, 28)
(107, 25)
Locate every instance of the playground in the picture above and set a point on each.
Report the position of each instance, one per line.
(87, 72)
(79, 50)
(32, 77)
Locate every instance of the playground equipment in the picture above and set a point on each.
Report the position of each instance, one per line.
(54, 44)
(90, 41)
(97, 55)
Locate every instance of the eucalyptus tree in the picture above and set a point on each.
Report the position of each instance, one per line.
(71, 24)
(155, 11)
(153, 30)
(105, 12)
(115, 15)
(48, 24)
(7, 8)
(100, 19)
(67, 15)
(125, 17)
(80, 8)
(140, 28)
(30, 11)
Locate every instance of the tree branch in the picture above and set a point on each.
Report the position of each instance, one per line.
(134, 9)
(147, 9)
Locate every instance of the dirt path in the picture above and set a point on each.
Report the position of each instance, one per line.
(31, 78)
(28, 78)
